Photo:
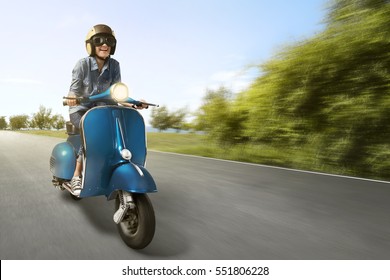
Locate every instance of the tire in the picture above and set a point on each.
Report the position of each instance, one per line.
(138, 226)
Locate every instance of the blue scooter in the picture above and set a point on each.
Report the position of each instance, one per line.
(114, 145)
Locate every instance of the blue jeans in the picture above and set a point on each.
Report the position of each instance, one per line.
(75, 119)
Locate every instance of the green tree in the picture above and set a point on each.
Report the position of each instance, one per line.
(330, 94)
(219, 118)
(161, 118)
(3, 123)
(58, 122)
(18, 122)
(178, 119)
(42, 119)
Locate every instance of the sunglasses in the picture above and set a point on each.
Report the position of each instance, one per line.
(101, 40)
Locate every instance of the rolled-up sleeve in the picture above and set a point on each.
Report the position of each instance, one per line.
(76, 85)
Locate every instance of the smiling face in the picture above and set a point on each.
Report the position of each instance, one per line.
(103, 51)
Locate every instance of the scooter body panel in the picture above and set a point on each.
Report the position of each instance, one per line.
(63, 160)
(106, 132)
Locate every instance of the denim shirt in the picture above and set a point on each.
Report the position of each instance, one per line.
(87, 81)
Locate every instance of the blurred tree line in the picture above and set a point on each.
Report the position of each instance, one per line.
(43, 119)
(327, 97)
(330, 95)
(162, 119)
(3, 123)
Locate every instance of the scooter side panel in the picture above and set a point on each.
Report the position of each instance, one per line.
(63, 161)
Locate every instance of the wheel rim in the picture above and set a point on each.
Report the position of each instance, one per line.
(130, 222)
(138, 225)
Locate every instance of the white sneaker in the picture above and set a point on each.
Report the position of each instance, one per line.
(75, 185)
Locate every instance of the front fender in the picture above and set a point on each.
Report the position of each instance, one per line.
(132, 178)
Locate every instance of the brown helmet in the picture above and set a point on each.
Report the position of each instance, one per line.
(100, 29)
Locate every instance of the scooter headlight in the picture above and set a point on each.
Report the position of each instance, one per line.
(126, 154)
(119, 92)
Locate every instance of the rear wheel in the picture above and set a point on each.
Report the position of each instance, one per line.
(138, 226)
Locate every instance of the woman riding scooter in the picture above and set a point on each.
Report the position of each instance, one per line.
(92, 75)
(109, 142)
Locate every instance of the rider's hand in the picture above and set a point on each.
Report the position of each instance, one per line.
(139, 107)
(71, 102)
(143, 105)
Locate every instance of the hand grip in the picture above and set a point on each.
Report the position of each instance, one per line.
(66, 98)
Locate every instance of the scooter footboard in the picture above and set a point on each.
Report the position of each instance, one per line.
(132, 178)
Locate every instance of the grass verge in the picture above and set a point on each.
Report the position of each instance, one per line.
(195, 144)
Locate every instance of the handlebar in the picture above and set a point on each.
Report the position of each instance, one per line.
(117, 93)
(66, 98)
(80, 100)
(137, 103)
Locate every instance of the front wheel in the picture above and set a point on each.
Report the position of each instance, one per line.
(138, 226)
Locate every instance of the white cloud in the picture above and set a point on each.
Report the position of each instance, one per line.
(224, 76)
(235, 80)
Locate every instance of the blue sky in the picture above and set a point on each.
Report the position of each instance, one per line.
(170, 51)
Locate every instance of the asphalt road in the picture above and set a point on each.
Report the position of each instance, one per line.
(205, 209)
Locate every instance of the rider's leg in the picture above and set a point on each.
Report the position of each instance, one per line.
(78, 169)
(76, 180)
